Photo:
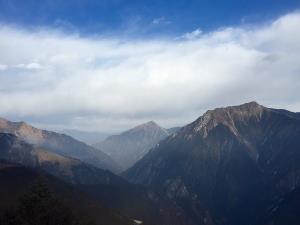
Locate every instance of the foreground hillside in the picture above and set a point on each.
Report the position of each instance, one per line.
(15, 181)
(109, 189)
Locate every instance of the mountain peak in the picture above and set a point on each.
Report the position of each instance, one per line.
(232, 161)
(148, 126)
(131, 145)
(228, 116)
(250, 107)
(151, 122)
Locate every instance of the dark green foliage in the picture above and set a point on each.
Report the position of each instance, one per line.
(38, 206)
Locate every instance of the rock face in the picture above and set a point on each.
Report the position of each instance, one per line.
(130, 146)
(227, 167)
(59, 143)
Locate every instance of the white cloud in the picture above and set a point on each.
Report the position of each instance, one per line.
(112, 84)
(192, 35)
(3, 67)
(30, 66)
(160, 20)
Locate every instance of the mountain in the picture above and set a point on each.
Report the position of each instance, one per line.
(109, 189)
(59, 143)
(16, 180)
(85, 136)
(130, 146)
(229, 166)
(15, 150)
(287, 211)
(136, 201)
(173, 130)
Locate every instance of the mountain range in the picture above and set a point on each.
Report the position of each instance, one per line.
(231, 166)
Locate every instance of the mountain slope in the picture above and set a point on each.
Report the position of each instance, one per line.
(173, 130)
(16, 180)
(130, 146)
(286, 211)
(59, 143)
(228, 166)
(111, 190)
(15, 150)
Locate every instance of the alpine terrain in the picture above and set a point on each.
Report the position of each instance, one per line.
(231, 166)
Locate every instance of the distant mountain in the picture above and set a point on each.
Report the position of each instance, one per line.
(229, 166)
(59, 143)
(173, 130)
(130, 146)
(71, 170)
(16, 180)
(86, 137)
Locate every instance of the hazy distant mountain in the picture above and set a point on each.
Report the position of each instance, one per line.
(15, 150)
(130, 146)
(87, 137)
(59, 143)
(173, 130)
(230, 166)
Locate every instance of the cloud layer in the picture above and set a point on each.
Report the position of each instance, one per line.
(59, 80)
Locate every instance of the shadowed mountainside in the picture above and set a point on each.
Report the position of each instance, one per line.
(16, 180)
(111, 190)
(227, 167)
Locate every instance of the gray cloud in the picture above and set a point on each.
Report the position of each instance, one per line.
(111, 84)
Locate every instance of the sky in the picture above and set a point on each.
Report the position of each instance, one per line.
(110, 65)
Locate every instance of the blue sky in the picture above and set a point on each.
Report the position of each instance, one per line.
(110, 65)
(139, 17)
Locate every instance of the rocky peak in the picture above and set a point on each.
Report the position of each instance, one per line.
(150, 126)
(228, 116)
(23, 130)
